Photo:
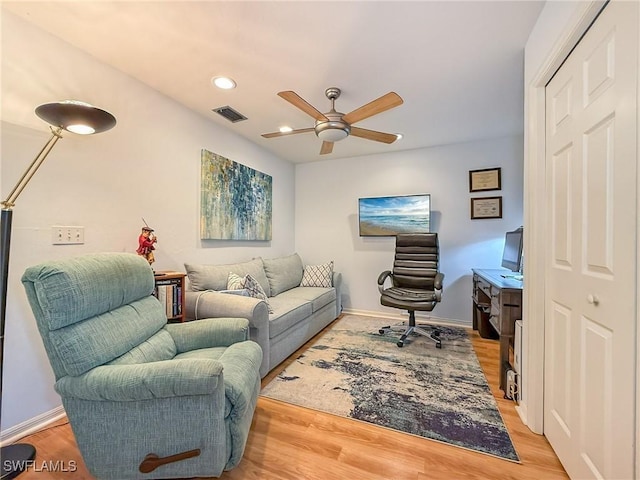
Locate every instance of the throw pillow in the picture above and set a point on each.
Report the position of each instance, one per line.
(234, 281)
(255, 290)
(240, 291)
(318, 275)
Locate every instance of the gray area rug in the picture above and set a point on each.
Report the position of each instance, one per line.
(439, 394)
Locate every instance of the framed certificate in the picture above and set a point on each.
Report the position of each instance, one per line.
(486, 207)
(485, 179)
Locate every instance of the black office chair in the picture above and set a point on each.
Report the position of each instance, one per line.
(416, 283)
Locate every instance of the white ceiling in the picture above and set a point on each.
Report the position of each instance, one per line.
(457, 65)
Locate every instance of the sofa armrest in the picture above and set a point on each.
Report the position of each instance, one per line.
(145, 381)
(337, 284)
(209, 332)
(212, 304)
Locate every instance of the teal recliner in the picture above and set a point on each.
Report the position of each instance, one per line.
(145, 399)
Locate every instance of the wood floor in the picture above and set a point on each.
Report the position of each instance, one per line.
(292, 443)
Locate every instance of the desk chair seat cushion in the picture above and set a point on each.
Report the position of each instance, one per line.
(409, 298)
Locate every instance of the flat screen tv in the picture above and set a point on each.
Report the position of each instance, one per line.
(388, 216)
(512, 253)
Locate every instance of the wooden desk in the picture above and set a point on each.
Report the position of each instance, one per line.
(497, 304)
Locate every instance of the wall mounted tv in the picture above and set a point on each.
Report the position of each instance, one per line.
(388, 216)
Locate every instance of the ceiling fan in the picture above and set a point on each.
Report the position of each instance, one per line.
(334, 126)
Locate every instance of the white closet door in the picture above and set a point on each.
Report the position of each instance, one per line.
(590, 338)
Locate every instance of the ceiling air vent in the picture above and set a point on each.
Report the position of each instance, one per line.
(230, 114)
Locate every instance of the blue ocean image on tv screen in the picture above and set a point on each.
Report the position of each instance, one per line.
(387, 216)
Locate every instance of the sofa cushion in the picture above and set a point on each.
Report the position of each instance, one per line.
(287, 311)
(318, 275)
(283, 273)
(318, 296)
(214, 277)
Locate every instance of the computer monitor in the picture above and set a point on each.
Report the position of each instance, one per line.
(512, 253)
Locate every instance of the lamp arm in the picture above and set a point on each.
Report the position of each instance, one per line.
(84, 119)
(33, 168)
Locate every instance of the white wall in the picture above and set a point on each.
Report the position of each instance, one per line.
(327, 195)
(147, 166)
(558, 29)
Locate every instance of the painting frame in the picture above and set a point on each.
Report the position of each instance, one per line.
(486, 207)
(485, 179)
(236, 200)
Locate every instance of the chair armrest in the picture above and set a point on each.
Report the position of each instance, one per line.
(437, 285)
(381, 279)
(209, 332)
(145, 381)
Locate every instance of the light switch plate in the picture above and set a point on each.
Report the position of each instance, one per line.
(67, 235)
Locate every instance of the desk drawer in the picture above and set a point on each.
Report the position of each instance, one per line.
(484, 287)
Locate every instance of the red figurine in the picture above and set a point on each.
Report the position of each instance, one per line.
(146, 241)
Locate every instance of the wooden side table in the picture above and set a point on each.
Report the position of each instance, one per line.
(169, 291)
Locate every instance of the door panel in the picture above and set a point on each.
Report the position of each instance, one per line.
(590, 316)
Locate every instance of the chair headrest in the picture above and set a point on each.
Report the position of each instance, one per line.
(70, 290)
(417, 239)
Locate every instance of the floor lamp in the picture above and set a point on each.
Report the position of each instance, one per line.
(75, 117)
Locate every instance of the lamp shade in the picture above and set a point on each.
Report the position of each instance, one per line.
(76, 117)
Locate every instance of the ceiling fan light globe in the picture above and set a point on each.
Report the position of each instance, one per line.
(332, 131)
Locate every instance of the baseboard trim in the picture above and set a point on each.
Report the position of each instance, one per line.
(403, 317)
(32, 425)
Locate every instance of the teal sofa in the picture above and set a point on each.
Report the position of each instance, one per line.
(145, 399)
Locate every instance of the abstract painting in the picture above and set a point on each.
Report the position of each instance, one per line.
(235, 200)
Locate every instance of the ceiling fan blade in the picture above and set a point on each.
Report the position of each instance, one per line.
(297, 101)
(379, 105)
(327, 147)
(283, 134)
(373, 135)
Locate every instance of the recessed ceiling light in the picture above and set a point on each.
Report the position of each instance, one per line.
(224, 83)
(286, 129)
(399, 136)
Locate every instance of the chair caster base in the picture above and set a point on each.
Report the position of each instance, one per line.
(412, 330)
